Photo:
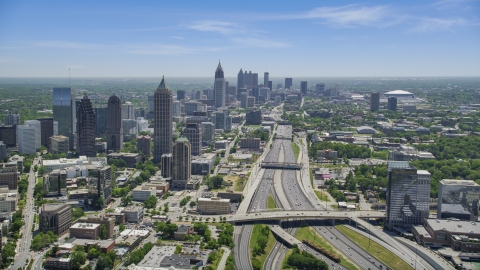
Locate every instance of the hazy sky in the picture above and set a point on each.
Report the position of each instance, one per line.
(286, 38)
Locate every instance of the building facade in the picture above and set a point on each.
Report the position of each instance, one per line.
(214, 206)
(181, 163)
(59, 144)
(167, 166)
(392, 104)
(114, 131)
(46, 131)
(193, 133)
(64, 112)
(374, 101)
(86, 128)
(26, 139)
(55, 183)
(55, 217)
(458, 199)
(408, 195)
(303, 88)
(162, 121)
(219, 87)
(144, 144)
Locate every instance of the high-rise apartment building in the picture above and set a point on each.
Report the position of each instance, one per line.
(162, 124)
(208, 132)
(392, 104)
(12, 119)
(86, 128)
(408, 195)
(458, 199)
(303, 87)
(38, 132)
(114, 132)
(288, 83)
(220, 119)
(240, 80)
(46, 128)
(219, 87)
(374, 101)
(144, 145)
(265, 79)
(55, 217)
(64, 112)
(26, 139)
(177, 108)
(128, 110)
(193, 134)
(319, 89)
(182, 163)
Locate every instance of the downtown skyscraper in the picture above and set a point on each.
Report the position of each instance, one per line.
(114, 132)
(219, 87)
(162, 124)
(86, 128)
(64, 112)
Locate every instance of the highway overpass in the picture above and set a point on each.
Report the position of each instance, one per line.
(281, 215)
(281, 165)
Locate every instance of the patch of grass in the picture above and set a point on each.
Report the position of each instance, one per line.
(296, 150)
(311, 177)
(334, 206)
(284, 263)
(376, 250)
(215, 263)
(271, 242)
(240, 184)
(322, 196)
(271, 202)
(305, 232)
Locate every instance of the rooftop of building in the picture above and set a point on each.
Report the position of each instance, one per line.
(52, 206)
(213, 199)
(83, 242)
(82, 225)
(454, 226)
(123, 155)
(400, 165)
(455, 182)
(454, 208)
(133, 209)
(398, 92)
(143, 188)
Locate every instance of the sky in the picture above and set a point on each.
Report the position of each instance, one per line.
(286, 38)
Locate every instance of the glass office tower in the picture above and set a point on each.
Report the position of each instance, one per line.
(64, 111)
(458, 199)
(408, 195)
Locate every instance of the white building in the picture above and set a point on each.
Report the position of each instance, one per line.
(177, 108)
(26, 139)
(214, 206)
(38, 132)
(128, 111)
(142, 124)
(141, 193)
(57, 164)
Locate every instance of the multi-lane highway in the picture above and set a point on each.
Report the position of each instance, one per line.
(23, 252)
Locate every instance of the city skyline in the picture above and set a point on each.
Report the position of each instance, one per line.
(341, 39)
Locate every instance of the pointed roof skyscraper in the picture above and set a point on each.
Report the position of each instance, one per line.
(219, 71)
(162, 84)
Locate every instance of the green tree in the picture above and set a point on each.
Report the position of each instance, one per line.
(104, 262)
(121, 227)
(78, 259)
(151, 202)
(103, 231)
(178, 249)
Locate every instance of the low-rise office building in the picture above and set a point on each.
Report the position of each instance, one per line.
(133, 214)
(107, 221)
(252, 143)
(141, 193)
(132, 159)
(85, 231)
(214, 206)
(55, 217)
(458, 234)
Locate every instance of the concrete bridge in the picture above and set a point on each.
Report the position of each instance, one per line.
(281, 165)
(302, 214)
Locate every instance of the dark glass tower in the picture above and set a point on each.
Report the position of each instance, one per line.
(219, 87)
(114, 125)
(64, 111)
(46, 130)
(240, 79)
(162, 124)
(86, 128)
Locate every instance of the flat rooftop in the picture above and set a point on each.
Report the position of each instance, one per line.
(454, 226)
(52, 206)
(91, 226)
(455, 182)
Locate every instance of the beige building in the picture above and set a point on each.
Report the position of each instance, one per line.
(214, 206)
(141, 193)
(85, 231)
(8, 203)
(55, 217)
(109, 223)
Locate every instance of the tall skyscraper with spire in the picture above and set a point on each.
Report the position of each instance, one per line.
(162, 121)
(114, 132)
(219, 87)
(86, 128)
(240, 79)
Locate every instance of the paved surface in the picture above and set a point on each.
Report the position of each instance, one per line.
(23, 244)
(223, 261)
(306, 214)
